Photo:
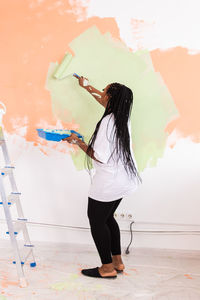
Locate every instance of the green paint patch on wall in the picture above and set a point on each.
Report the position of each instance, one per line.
(103, 60)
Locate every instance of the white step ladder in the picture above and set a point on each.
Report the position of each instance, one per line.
(14, 226)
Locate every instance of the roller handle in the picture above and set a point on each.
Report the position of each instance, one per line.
(76, 75)
(85, 80)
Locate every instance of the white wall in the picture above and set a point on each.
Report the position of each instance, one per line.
(54, 193)
(54, 196)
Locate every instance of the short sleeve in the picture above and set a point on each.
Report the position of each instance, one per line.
(102, 144)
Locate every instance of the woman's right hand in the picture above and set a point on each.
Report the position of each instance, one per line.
(81, 80)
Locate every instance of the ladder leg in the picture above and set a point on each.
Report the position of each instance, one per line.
(21, 218)
(25, 230)
(19, 266)
(18, 204)
(28, 241)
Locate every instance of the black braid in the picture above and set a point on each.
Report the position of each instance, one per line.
(120, 104)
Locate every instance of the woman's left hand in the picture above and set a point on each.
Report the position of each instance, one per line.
(71, 138)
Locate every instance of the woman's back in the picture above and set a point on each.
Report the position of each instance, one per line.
(111, 180)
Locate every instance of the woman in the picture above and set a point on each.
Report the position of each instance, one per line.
(116, 176)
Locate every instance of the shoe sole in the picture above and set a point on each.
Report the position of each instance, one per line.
(109, 276)
(119, 271)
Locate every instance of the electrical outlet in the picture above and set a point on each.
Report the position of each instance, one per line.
(129, 216)
(121, 216)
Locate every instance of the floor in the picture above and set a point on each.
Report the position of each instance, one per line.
(150, 274)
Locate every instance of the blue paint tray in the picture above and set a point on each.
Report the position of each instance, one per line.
(56, 135)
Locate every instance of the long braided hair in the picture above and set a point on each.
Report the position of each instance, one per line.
(120, 104)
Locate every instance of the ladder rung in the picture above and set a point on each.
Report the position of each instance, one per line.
(9, 203)
(18, 226)
(22, 262)
(15, 232)
(6, 170)
(16, 193)
(13, 197)
(28, 245)
(32, 264)
(22, 219)
(26, 255)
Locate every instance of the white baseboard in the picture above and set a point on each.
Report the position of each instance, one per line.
(145, 235)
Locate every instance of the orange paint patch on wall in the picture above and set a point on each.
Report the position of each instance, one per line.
(180, 71)
(33, 34)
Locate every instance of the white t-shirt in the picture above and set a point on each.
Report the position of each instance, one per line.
(110, 181)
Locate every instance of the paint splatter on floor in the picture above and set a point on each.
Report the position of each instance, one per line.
(149, 274)
(73, 285)
(5, 282)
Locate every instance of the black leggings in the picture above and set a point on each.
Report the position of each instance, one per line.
(104, 228)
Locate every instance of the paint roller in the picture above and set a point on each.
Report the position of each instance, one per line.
(58, 134)
(60, 72)
(61, 69)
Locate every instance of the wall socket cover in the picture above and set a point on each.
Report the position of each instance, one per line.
(123, 216)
